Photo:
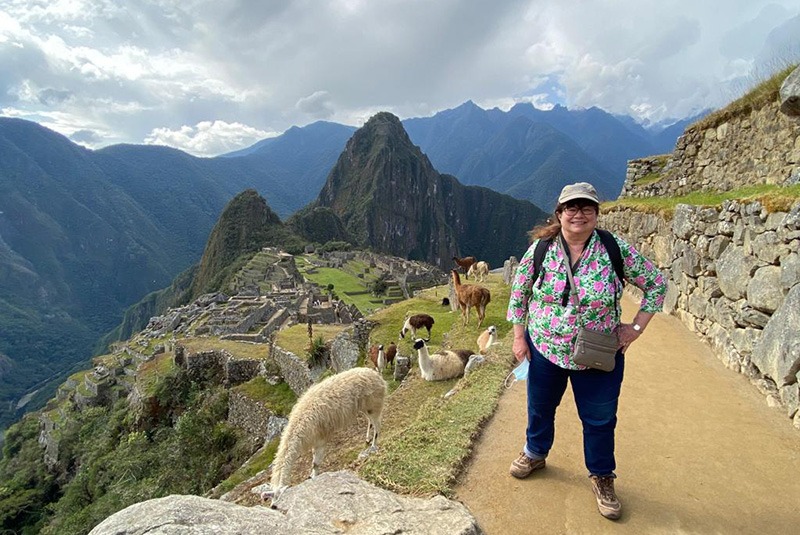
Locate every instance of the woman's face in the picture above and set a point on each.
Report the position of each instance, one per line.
(578, 218)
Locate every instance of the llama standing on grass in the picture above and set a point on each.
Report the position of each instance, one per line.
(324, 409)
(479, 270)
(391, 353)
(471, 295)
(443, 365)
(378, 357)
(487, 338)
(415, 322)
(465, 263)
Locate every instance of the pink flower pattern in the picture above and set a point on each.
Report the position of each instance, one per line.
(551, 325)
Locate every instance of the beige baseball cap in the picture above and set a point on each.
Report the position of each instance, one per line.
(579, 190)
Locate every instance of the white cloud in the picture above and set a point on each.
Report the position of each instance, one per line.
(143, 70)
(208, 138)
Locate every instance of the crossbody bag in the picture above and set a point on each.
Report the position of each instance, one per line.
(594, 349)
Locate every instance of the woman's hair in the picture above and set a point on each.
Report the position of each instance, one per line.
(551, 228)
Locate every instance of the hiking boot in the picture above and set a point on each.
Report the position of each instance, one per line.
(607, 501)
(524, 465)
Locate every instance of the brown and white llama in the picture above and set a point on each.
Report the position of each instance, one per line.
(487, 338)
(378, 357)
(479, 270)
(465, 263)
(471, 295)
(417, 321)
(323, 410)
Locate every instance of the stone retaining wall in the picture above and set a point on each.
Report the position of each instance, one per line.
(253, 417)
(734, 279)
(760, 147)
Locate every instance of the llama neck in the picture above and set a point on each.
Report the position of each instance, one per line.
(424, 358)
(289, 450)
(381, 359)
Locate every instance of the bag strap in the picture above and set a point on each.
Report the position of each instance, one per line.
(572, 291)
(608, 241)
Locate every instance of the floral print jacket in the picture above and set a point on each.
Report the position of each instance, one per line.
(548, 309)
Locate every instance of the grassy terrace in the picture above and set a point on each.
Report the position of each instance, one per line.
(295, 338)
(347, 286)
(426, 439)
(152, 371)
(773, 198)
(762, 94)
(241, 350)
(279, 398)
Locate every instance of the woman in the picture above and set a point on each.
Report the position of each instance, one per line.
(545, 326)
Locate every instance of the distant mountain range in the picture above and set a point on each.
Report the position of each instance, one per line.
(85, 234)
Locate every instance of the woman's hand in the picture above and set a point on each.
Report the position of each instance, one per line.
(520, 349)
(627, 335)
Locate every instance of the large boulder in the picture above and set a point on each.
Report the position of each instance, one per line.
(790, 94)
(333, 502)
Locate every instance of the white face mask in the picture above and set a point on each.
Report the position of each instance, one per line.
(520, 373)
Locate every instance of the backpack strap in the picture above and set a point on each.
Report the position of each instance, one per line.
(614, 253)
(538, 257)
(609, 242)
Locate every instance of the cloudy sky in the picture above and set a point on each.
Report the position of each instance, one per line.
(211, 76)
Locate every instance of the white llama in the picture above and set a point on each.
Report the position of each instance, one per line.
(321, 411)
(443, 365)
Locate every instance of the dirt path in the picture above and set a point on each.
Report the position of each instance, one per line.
(698, 451)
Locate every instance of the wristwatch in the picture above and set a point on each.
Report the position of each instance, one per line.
(637, 328)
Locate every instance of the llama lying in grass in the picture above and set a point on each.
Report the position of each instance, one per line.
(415, 322)
(321, 411)
(465, 263)
(443, 365)
(471, 295)
(479, 270)
(487, 338)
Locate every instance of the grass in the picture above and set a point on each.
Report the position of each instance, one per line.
(295, 338)
(347, 286)
(150, 372)
(239, 350)
(257, 463)
(278, 398)
(427, 439)
(649, 178)
(774, 198)
(762, 94)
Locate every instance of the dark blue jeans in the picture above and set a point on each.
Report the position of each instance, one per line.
(596, 396)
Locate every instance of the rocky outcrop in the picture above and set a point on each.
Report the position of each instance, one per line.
(333, 502)
(790, 94)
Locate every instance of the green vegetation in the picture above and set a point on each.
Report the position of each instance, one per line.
(649, 178)
(763, 93)
(427, 439)
(111, 463)
(278, 398)
(296, 339)
(426, 454)
(349, 288)
(259, 462)
(240, 350)
(773, 198)
(151, 372)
